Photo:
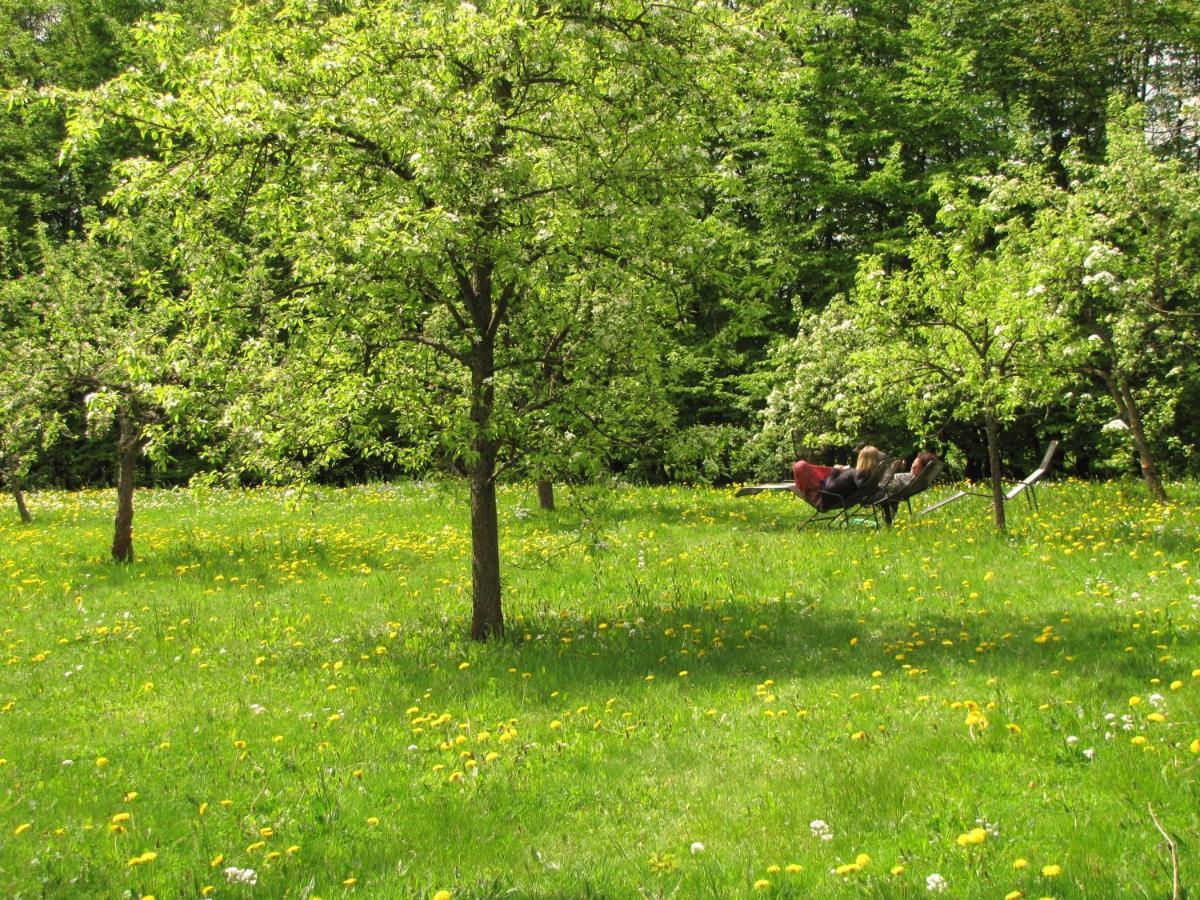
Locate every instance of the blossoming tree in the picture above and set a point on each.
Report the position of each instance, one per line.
(408, 183)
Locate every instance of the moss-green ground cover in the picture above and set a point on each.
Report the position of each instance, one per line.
(283, 694)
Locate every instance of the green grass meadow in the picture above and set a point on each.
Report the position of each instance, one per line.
(278, 698)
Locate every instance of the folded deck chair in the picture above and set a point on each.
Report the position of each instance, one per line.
(904, 494)
(1026, 484)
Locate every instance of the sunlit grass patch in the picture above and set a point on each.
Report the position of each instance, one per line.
(278, 697)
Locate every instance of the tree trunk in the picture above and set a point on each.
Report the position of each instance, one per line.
(128, 439)
(14, 486)
(487, 617)
(1145, 455)
(1127, 408)
(993, 442)
(545, 491)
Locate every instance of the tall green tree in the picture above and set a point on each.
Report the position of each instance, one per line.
(963, 327)
(1119, 251)
(420, 178)
(92, 326)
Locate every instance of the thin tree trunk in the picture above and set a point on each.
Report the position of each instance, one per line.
(128, 438)
(993, 442)
(14, 486)
(1128, 409)
(1145, 455)
(545, 491)
(487, 617)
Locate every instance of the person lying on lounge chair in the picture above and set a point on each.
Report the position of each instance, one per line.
(828, 487)
(902, 480)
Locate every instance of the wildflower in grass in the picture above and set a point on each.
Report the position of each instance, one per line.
(1051, 871)
(1089, 753)
(350, 882)
(935, 884)
(762, 884)
(794, 868)
(21, 829)
(972, 838)
(101, 762)
(1014, 895)
(442, 895)
(696, 847)
(1194, 746)
(120, 817)
(372, 821)
(820, 829)
(897, 869)
(234, 875)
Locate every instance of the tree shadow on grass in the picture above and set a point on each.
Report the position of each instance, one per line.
(730, 641)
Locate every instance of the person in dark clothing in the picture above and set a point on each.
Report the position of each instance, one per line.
(829, 487)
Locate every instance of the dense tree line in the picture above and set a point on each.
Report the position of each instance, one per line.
(340, 239)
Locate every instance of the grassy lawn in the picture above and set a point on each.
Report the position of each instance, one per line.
(277, 698)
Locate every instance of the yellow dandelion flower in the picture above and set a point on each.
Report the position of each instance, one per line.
(295, 848)
(1135, 700)
(120, 817)
(350, 882)
(1051, 871)
(1176, 685)
(372, 821)
(207, 891)
(555, 725)
(21, 829)
(1020, 863)
(442, 895)
(101, 761)
(762, 884)
(862, 860)
(1013, 727)
(1194, 746)
(897, 869)
(858, 736)
(773, 870)
(257, 845)
(972, 837)
(1014, 895)
(274, 854)
(217, 860)
(794, 868)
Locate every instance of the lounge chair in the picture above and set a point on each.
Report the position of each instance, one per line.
(904, 494)
(837, 507)
(1025, 486)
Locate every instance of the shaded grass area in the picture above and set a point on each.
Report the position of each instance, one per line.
(285, 687)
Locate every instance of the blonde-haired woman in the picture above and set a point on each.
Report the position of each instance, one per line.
(826, 487)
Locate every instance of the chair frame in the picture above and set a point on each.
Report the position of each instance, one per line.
(1026, 485)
